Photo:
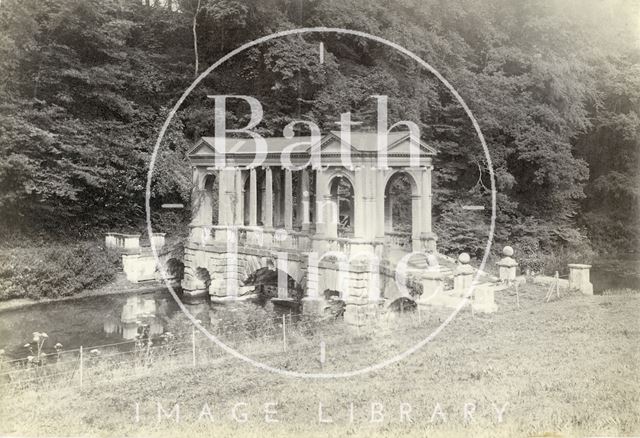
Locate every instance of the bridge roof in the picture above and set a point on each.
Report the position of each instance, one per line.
(362, 145)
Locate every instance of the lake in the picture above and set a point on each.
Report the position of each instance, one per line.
(107, 319)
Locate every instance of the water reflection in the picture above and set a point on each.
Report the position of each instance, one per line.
(136, 311)
(99, 320)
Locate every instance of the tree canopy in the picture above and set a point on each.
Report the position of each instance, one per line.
(555, 85)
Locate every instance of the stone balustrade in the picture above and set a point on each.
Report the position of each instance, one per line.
(435, 291)
(398, 240)
(122, 241)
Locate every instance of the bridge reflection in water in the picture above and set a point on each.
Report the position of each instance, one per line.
(138, 310)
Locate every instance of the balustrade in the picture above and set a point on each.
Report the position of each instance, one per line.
(398, 240)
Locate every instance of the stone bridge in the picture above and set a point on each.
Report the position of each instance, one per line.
(326, 223)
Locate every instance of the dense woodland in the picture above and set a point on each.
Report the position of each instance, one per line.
(86, 84)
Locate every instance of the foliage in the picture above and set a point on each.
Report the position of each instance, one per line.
(54, 271)
(86, 84)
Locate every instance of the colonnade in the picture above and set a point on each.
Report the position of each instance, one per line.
(264, 196)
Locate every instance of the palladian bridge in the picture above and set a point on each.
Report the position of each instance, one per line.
(325, 229)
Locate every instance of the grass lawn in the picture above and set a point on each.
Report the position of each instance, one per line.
(568, 367)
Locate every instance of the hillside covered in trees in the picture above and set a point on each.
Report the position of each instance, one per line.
(85, 86)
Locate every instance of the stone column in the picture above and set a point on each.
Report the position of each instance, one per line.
(427, 236)
(226, 193)
(507, 266)
(388, 214)
(416, 223)
(380, 204)
(277, 197)
(288, 200)
(253, 198)
(358, 212)
(305, 197)
(238, 198)
(579, 278)
(330, 211)
(426, 199)
(268, 198)
(321, 206)
(370, 204)
(263, 215)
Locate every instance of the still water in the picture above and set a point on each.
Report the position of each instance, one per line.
(109, 319)
(86, 321)
(615, 273)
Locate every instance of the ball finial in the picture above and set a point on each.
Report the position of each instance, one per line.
(464, 258)
(507, 251)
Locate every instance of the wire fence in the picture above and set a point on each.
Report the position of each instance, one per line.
(293, 334)
(285, 335)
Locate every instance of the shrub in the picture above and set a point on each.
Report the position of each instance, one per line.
(55, 271)
(558, 259)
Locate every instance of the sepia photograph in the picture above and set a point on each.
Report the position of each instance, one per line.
(319, 218)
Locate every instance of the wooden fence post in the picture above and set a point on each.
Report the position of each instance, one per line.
(284, 333)
(81, 366)
(193, 346)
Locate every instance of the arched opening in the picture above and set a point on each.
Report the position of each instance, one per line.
(402, 305)
(203, 276)
(205, 202)
(401, 206)
(267, 288)
(175, 269)
(341, 191)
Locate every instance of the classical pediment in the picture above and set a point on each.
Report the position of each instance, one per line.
(404, 145)
(203, 148)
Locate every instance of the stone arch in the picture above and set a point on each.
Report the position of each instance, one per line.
(257, 270)
(340, 173)
(252, 263)
(204, 200)
(202, 278)
(174, 268)
(415, 188)
(400, 232)
(402, 304)
(342, 191)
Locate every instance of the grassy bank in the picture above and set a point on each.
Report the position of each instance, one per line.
(55, 270)
(568, 366)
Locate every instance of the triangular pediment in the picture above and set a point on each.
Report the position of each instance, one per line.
(404, 145)
(202, 148)
(332, 144)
